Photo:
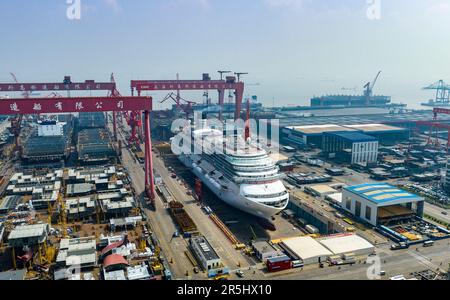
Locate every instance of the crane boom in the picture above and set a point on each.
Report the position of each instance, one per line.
(375, 81)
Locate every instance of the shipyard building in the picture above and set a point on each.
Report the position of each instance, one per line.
(351, 147)
(312, 135)
(381, 203)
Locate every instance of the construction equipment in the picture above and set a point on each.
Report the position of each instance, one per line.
(239, 74)
(142, 243)
(223, 72)
(50, 212)
(16, 121)
(199, 85)
(369, 89)
(62, 216)
(442, 91)
(186, 108)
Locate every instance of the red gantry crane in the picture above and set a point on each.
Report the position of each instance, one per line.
(65, 85)
(51, 105)
(434, 125)
(206, 84)
(16, 121)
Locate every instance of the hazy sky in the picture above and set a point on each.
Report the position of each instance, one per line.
(295, 49)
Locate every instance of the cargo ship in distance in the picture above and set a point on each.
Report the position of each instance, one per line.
(238, 172)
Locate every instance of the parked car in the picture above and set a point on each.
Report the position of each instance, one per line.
(401, 245)
(239, 273)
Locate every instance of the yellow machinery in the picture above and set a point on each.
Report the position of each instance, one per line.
(142, 243)
(50, 212)
(62, 216)
(222, 277)
(249, 251)
(49, 255)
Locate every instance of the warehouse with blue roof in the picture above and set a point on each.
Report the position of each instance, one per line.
(351, 147)
(381, 203)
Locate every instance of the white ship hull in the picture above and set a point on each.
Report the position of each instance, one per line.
(233, 194)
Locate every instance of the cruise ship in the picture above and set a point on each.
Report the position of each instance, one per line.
(238, 172)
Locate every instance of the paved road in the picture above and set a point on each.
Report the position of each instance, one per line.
(160, 221)
(392, 262)
(230, 256)
(436, 212)
(164, 227)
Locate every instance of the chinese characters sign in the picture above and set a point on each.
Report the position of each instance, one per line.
(67, 105)
(85, 86)
(185, 85)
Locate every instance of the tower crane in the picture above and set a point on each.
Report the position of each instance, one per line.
(369, 88)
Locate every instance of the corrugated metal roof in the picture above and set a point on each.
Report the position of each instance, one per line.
(382, 193)
(114, 259)
(112, 246)
(28, 231)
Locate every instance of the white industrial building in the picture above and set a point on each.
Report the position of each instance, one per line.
(29, 235)
(334, 198)
(264, 250)
(207, 257)
(378, 203)
(307, 249)
(320, 190)
(80, 252)
(347, 244)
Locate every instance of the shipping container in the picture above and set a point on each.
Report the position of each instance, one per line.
(280, 263)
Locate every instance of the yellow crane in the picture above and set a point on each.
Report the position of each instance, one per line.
(50, 212)
(62, 215)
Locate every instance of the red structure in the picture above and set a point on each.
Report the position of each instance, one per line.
(195, 85)
(89, 104)
(133, 118)
(199, 189)
(276, 264)
(434, 125)
(65, 85)
(247, 121)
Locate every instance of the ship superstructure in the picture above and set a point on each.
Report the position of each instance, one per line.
(239, 172)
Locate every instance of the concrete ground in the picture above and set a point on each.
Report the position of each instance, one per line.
(401, 262)
(164, 227)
